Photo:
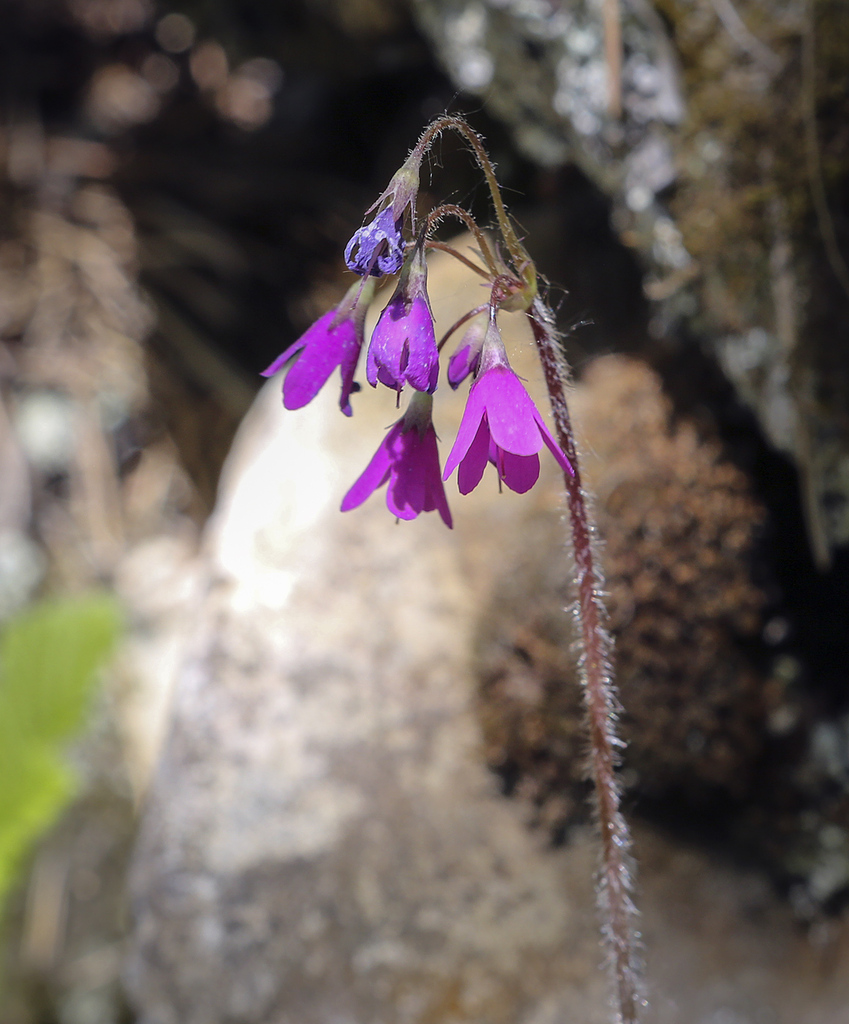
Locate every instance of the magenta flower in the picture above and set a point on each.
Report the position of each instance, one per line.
(409, 460)
(467, 356)
(335, 339)
(501, 425)
(403, 346)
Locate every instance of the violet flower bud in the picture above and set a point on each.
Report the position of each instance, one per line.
(467, 355)
(378, 247)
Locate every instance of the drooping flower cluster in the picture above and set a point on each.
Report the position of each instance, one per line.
(501, 425)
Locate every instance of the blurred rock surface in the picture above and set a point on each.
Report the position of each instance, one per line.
(90, 482)
(322, 841)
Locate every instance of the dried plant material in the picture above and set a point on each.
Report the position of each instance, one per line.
(679, 528)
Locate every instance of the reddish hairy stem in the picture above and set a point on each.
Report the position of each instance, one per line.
(614, 894)
(452, 210)
(514, 245)
(463, 319)
(431, 244)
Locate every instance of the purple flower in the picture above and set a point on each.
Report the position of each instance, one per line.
(467, 355)
(377, 248)
(501, 425)
(403, 346)
(335, 339)
(409, 460)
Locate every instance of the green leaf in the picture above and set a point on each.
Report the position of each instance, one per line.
(49, 657)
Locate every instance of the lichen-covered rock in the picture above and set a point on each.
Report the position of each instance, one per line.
(726, 169)
(763, 163)
(543, 69)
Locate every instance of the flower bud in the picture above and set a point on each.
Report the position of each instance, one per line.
(466, 358)
(378, 247)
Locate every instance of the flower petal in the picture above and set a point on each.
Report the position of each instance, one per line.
(374, 475)
(347, 369)
(473, 415)
(383, 362)
(554, 447)
(324, 351)
(284, 357)
(474, 462)
(403, 347)
(461, 364)
(422, 365)
(511, 412)
(434, 491)
(435, 498)
(405, 495)
(519, 472)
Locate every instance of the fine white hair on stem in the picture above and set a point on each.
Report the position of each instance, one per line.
(615, 873)
(515, 286)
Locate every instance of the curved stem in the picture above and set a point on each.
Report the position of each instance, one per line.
(615, 881)
(511, 239)
(452, 210)
(463, 319)
(444, 247)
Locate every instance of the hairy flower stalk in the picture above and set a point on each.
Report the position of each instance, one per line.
(501, 427)
(615, 872)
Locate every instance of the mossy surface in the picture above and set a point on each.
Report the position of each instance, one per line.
(764, 136)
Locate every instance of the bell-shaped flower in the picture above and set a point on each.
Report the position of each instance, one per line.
(467, 355)
(378, 247)
(335, 339)
(409, 460)
(403, 345)
(501, 425)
